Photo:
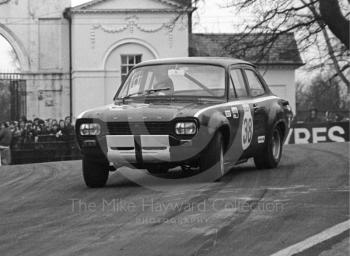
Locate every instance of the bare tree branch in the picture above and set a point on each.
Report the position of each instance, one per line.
(330, 47)
(333, 17)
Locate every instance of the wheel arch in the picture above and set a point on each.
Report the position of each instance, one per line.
(281, 125)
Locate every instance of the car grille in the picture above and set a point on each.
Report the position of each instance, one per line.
(143, 128)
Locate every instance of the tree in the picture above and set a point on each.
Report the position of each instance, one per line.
(331, 15)
(320, 26)
(322, 89)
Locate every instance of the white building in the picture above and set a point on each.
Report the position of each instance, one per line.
(101, 40)
(109, 37)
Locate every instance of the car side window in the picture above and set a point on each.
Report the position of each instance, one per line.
(255, 86)
(238, 83)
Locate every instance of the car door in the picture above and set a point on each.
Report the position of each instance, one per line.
(258, 93)
(241, 113)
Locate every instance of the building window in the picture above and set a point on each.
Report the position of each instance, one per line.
(128, 62)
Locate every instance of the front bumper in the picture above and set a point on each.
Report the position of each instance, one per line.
(136, 149)
(144, 150)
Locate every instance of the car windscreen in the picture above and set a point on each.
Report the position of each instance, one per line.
(175, 80)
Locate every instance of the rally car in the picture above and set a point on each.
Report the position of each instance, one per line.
(205, 113)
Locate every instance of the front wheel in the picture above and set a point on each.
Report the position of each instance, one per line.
(270, 156)
(95, 174)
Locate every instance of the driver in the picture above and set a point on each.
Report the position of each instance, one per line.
(163, 82)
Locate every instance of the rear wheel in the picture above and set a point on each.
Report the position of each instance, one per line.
(95, 174)
(213, 156)
(270, 156)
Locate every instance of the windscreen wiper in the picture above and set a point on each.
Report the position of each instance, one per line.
(130, 95)
(147, 92)
(151, 91)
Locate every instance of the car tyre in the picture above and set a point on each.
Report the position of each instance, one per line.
(270, 156)
(213, 156)
(95, 174)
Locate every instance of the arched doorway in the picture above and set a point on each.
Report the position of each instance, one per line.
(120, 58)
(12, 86)
(9, 39)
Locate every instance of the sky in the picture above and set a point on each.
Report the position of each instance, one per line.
(5, 58)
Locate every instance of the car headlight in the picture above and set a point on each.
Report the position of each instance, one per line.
(90, 129)
(186, 128)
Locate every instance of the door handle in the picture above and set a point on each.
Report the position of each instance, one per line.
(256, 108)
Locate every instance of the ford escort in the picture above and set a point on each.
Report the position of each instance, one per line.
(204, 113)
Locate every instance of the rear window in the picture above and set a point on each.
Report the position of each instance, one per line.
(255, 86)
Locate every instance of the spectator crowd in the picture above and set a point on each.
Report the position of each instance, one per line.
(24, 133)
(27, 131)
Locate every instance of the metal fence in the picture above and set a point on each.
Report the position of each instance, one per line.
(46, 149)
(13, 96)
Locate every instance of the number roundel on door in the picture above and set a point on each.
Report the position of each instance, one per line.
(247, 127)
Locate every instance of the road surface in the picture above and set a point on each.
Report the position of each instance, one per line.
(47, 210)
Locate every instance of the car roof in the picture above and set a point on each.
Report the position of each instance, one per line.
(221, 61)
